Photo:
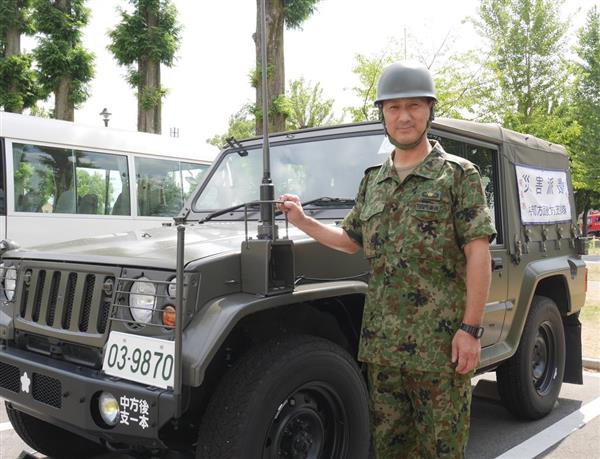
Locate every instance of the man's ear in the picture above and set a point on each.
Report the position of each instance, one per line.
(431, 110)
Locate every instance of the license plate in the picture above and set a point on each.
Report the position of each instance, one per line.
(140, 358)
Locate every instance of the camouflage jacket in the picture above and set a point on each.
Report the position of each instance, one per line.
(413, 234)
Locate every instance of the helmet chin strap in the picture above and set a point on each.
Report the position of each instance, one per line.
(406, 146)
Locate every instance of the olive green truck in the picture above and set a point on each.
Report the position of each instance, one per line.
(200, 339)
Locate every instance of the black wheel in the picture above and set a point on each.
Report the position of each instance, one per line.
(299, 397)
(529, 383)
(48, 439)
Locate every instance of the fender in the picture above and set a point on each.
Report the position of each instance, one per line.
(572, 271)
(210, 327)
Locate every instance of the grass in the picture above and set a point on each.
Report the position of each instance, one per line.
(590, 313)
(594, 248)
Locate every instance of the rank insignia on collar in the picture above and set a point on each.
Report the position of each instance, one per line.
(432, 195)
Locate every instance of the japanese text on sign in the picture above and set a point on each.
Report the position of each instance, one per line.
(543, 195)
(134, 411)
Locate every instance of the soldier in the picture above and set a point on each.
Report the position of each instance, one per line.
(423, 223)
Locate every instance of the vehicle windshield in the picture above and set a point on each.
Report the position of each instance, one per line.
(313, 169)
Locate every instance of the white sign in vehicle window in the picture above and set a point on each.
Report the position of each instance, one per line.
(543, 195)
(140, 358)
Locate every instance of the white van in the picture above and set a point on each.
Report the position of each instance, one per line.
(61, 181)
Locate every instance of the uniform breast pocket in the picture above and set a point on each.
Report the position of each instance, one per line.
(373, 228)
(424, 234)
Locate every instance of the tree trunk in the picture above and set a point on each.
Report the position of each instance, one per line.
(275, 61)
(149, 117)
(64, 108)
(13, 48)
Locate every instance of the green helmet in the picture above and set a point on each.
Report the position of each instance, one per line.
(405, 79)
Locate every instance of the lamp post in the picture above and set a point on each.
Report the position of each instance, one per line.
(105, 114)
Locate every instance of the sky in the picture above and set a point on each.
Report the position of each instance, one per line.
(209, 81)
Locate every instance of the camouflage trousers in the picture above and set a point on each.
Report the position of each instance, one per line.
(417, 414)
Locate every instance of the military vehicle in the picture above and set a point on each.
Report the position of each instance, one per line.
(198, 338)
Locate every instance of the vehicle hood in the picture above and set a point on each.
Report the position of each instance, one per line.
(155, 247)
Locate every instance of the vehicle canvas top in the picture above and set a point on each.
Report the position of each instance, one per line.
(518, 148)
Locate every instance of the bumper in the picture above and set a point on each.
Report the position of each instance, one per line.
(65, 395)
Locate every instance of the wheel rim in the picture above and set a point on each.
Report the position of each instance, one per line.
(544, 358)
(309, 424)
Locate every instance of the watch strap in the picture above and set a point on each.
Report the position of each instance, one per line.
(475, 332)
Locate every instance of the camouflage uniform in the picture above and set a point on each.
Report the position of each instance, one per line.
(413, 234)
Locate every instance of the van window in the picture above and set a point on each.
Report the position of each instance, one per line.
(61, 180)
(163, 185)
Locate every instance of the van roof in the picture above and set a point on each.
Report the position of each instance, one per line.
(65, 133)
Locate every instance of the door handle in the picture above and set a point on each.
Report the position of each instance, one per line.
(497, 264)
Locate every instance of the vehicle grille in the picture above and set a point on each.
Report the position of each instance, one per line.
(47, 390)
(66, 300)
(9, 377)
(44, 389)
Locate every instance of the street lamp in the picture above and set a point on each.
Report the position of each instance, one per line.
(105, 114)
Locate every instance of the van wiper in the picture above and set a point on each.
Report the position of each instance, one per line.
(218, 213)
(326, 201)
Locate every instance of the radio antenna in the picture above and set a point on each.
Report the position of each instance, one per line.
(267, 229)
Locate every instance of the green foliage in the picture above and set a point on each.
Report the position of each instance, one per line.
(368, 69)
(298, 11)
(527, 46)
(307, 106)
(586, 102)
(151, 97)
(61, 53)
(256, 75)
(18, 86)
(134, 39)
(15, 13)
(93, 184)
(241, 126)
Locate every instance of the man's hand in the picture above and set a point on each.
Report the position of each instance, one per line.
(292, 208)
(465, 352)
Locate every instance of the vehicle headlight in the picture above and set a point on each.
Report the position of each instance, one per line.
(142, 299)
(8, 275)
(172, 288)
(109, 408)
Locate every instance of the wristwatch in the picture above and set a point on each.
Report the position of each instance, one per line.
(475, 332)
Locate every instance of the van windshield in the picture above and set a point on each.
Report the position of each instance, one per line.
(332, 167)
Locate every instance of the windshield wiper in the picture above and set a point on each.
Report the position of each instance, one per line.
(218, 213)
(236, 146)
(326, 201)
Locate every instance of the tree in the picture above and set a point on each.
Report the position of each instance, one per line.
(18, 87)
(307, 106)
(146, 38)
(460, 80)
(291, 13)
(241, 126)
(526, 55)
(65, 67)
(368, 70)
(586, 101)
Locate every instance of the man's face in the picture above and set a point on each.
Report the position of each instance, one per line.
(406, 119)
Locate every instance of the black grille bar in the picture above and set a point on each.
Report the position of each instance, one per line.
(66, 299)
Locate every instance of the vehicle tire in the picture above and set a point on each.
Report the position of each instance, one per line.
(50, 440)
(529, 383)
(295, 397)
